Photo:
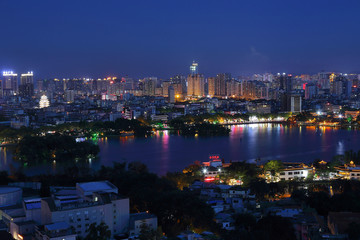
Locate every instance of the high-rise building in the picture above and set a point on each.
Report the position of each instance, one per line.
(194, 68)
(149, 86)
(285, 82)
(310, 90)
(294, 103)
(69, 95)
(195, 85)
(171, 93)
(211, 86)
(179, 84)
(26, 88)
(165, 86)
(220, 84)
(10, 83)
(341, 87)
(195, 82)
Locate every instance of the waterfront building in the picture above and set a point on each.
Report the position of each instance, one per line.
(293, 171)
(348, 171)
(310, 90)
(259, 108)
(294, 103)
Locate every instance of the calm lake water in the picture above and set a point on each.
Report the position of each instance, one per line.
(164, 152)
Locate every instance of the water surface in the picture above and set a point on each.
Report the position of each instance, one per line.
(164, 152)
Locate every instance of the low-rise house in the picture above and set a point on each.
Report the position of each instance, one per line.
(348, 171)
(225, 220)
(295, 171)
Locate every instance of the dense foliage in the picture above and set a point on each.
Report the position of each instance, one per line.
(35, 149)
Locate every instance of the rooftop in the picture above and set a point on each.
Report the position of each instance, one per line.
(96, 186)
(57, 226)
(4, 190)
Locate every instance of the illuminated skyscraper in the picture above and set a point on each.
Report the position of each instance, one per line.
(26, 88)
(195, 85)
(285, 82)
(194, 68)
(195, 82)
(220, 84)
(10, 83)
(211, 86)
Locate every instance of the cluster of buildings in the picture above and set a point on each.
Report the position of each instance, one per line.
(25, 101)
(215, 167)
(227, 200)
(69, 212)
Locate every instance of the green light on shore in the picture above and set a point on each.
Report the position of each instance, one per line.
(95, 136)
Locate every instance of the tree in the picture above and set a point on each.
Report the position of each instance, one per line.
(274, 227)
(98, 232)
(273, 167)
(146, 233)
(353, 231)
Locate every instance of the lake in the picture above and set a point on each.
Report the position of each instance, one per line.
(164, 152)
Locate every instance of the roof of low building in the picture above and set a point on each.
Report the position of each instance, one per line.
(57, 226)
(96, 186)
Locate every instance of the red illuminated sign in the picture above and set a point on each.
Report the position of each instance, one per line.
(214, 157)
(209, 179)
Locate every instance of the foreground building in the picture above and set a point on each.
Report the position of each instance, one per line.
(69, 212)
(94, 202)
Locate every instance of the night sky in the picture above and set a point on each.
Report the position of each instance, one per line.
(97, 38)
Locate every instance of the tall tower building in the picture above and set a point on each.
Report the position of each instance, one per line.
(195, 82)
(149, 86)
(194, 68)
(310, 90)
(196, 85)
(10, 83)
(171, 94)
(220, 84)
(26, 88)
(211, 86)
(179, 84)
(285, 82)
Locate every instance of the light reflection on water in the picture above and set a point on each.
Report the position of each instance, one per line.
(166, 151)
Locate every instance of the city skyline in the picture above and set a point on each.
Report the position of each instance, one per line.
(158, 38)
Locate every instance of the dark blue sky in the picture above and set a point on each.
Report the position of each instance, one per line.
(161, 37)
